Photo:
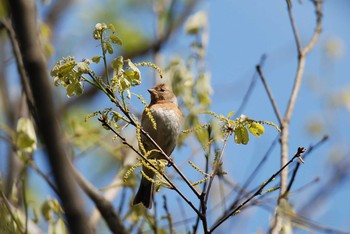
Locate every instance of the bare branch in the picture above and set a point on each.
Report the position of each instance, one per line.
(302, 53)
(272, 100)
(168, 215)
(20, 66)
(250, 88)
(294, 27)
(259, 191)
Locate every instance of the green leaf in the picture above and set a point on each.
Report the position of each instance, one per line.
(230, 114)
(133, 74)
(25, 135)
(124, 84)
(115, 40)
(117, 63)
(96, 59)
(83, 67)
(66, 68)
(24, 141)
(109, 47)
(256, 129)
(241, 136)
(111, 27)
(46, 210)
(75, 88)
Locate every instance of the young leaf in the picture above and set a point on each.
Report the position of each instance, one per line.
(83, 67)
(66, 68)
(111, 27)
(117, 63)
(75, 88)
(241, 136)
(256, 129)
(109, 47)
(230, 114)
(96, 59)
(133, 74)
(116, 40)
(25, 135)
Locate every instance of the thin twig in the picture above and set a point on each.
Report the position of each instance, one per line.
(25, 204)
(125, 142)
(300, 151)
(217, 166)
(294, 28)
(20, 66)
(155, 220)
(318, 5)
(295, 171)
(250, 88)
(161, 151)
(13, 217)
(207, 156)
(168, 215)
(44, 176)
(269, 93)
(302, 53)
(183, 214)
(253, 174)
(315, 146)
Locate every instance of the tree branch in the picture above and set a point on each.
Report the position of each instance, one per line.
(259, 191)
(272, 100)
(25, 25)
(302, 53)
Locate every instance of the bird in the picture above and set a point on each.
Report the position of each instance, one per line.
(168, 118)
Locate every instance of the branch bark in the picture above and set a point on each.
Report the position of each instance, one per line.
(284, 139)
(26, 29)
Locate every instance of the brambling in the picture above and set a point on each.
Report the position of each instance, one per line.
(168, 118)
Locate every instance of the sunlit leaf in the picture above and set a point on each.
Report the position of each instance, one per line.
(66, 68)
(25, 135)
(133, 74)
(124, 84)
(230, 114)
(96, 59)
(111, 27)
(241, 136)
(256, 129)
(115, 39)
(75, 88)
(109, 47)
(46, 210)
(117, 63)
(83, 67)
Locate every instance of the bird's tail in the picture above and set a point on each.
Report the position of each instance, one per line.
(145, 193)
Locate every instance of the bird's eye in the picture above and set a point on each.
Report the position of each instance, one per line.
(161, 90)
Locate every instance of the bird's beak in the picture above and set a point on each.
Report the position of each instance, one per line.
(151, 91)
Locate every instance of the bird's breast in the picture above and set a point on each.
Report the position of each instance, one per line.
(168, 120)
